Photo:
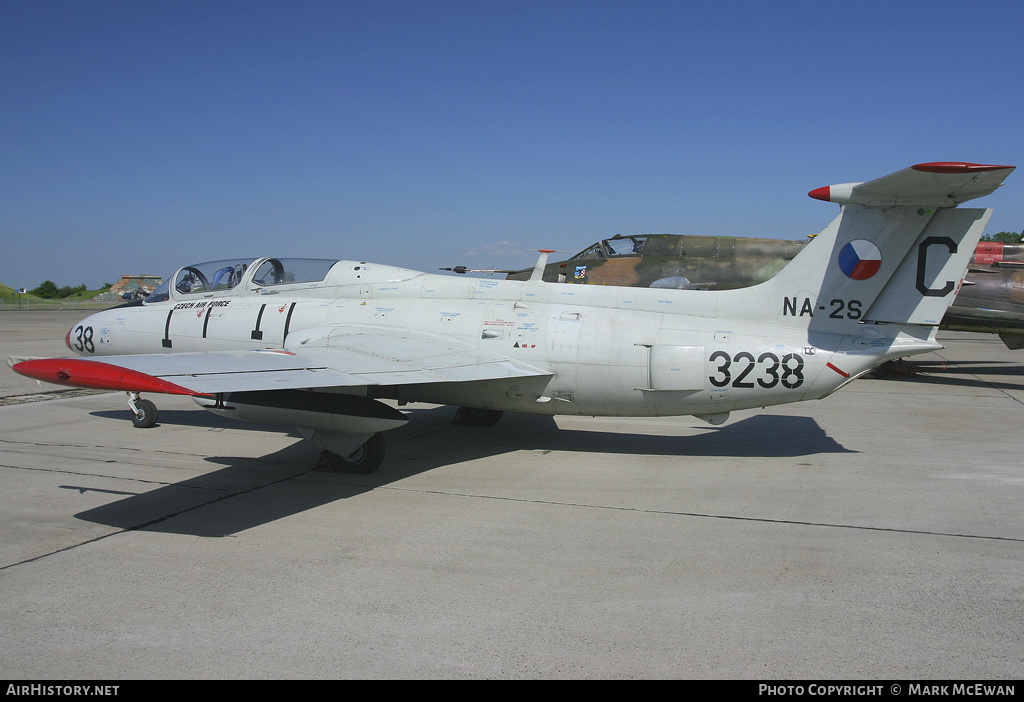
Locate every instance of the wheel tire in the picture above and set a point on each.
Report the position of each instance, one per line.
(365, 459)
(146, 416)
(475, 417)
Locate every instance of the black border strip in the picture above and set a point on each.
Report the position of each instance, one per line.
(256, 333)
(288, 322)
(167, 330)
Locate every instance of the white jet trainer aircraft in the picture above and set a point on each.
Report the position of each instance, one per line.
(317, 344)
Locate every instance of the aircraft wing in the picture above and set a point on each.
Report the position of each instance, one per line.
(347, 358)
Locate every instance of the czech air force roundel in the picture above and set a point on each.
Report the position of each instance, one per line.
(860, 259)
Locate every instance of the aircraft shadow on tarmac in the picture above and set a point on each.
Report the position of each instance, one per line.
(251, 491)
(191, 418)
(995, 374)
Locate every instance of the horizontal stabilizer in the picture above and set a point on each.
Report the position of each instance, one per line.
(941, 184)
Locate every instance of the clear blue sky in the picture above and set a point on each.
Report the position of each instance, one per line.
(139, 136)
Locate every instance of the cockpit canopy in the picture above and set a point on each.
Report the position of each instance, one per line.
(219, 276)
(618, 245)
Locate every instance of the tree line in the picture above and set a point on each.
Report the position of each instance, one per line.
(49, 290)
(1004, 237)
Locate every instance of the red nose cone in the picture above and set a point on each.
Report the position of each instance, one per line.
(67, 339)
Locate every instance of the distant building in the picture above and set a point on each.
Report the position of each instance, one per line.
(130, 284)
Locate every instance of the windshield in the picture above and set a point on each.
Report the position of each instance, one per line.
(593, 252)
(160, 294)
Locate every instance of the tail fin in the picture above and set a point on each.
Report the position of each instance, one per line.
(896, 253)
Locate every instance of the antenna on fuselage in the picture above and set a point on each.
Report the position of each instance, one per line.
(542, 260)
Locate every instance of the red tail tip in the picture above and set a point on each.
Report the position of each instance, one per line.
(822, 193)
(956, 167)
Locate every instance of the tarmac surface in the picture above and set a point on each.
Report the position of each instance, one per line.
(876, 534)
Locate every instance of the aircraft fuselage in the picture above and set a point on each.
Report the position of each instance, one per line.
(611, 351)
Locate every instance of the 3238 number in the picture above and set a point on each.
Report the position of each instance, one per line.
(770, 370)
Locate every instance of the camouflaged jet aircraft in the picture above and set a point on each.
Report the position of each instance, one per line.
(317, 344)
(682, 262)
(992, 297)
(991, 300)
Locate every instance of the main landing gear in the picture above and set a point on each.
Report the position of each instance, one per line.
(475, 417)
(365, 459)
(143, 411)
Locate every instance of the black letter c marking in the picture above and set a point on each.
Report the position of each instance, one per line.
(922, 257)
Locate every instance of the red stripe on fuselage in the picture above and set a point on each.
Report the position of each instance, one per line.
(837, 370)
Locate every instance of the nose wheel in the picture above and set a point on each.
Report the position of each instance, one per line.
(143, 411)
